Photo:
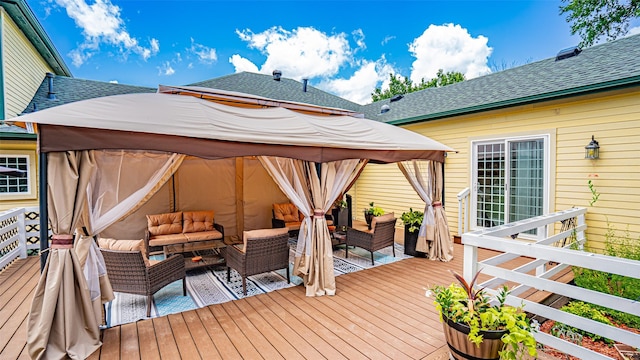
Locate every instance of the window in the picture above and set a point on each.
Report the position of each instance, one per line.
(10, 185)
(509, 180)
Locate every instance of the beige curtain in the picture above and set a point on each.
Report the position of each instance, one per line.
(442, 247)
(313, 195)
(61, 322)
(426, 179)
(112, 194)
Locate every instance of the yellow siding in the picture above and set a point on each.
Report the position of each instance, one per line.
(24, 68)
(22, 148)
(613, 118)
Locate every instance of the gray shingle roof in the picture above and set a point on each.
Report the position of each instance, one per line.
(68, 90)
(285, 89)
(606, 66)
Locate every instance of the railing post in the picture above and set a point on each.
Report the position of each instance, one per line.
(470, 263)
(22, 235)
(460, 217)
(466, 214)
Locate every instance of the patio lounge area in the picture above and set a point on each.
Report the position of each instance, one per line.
(376, 313)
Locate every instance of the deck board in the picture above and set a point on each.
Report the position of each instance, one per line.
(378, 313)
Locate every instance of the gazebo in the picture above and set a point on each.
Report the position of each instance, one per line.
(103, 159)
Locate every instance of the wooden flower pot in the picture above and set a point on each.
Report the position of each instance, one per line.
(463, 349)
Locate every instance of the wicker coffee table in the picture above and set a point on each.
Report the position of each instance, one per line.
(338, 238)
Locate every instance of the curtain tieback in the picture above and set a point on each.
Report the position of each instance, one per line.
(437, 204)
(62, 241)
(318, 214)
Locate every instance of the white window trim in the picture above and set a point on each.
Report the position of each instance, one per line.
(548, 138)
(31, 176)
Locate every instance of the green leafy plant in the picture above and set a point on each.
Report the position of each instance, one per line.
(463, 303)
(588, 311)
(566, 332)
(374, 210)
(412, 218)
(595, 195)
(340, 204)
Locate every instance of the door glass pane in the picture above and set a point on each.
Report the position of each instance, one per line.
(526, 180)
(490, 177)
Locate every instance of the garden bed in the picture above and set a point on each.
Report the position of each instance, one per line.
(597, 346)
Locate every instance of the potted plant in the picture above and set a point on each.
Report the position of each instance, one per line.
(339, 212)
(372, 211)
(412, 221)
(495, 331)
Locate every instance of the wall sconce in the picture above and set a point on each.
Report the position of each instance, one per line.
(592, 151)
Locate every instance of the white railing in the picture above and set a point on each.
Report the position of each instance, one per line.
(463, 211)
(546, 258)
(15, 229)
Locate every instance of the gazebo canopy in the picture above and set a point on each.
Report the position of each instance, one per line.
(193, 126)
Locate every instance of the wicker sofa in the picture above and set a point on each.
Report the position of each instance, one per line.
(183, 231)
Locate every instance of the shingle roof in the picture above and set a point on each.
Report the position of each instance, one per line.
(606, 66)
(68, 90)
(285, 89)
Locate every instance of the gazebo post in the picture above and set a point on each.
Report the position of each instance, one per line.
(44, 214)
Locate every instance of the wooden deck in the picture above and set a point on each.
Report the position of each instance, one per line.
(378, 313)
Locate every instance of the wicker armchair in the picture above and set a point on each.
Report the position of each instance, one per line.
(128, 273)
(263, 250)
(381, 236)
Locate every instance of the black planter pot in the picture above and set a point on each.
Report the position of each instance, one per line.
(340, 217)
(368, 217)
(410, 240)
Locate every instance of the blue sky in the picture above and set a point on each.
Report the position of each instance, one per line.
(344, 47)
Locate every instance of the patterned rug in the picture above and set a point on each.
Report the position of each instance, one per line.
(209, 286)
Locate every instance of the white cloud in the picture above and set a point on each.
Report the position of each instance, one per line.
(358, 88)
(166, 69)
(113, 81)
(241, 64)
(358, 35)
(301, 53)
(387, 39)
(101, 24)
(634, 31)
(451, 48)
(204, 53)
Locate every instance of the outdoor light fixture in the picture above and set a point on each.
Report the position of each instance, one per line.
(592, 151)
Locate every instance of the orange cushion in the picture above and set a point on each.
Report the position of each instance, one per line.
(287, 212)
(381, 218)
(204, 235)
(195, 221)
(260, 233)
(164, 224)
(125, 245)
(169, 239)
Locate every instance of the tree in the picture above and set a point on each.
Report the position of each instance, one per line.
(593, 19)
(403, 85)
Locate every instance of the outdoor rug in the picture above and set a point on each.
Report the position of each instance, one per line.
(209, 286)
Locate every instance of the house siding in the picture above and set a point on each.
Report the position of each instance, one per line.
(24, 68)
(27, 200)
(613, 118)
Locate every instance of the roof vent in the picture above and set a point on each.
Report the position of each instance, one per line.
(384, 108)
(277, 74)
(51, 95)
(567, 53)
(304, 85)
(396, 97)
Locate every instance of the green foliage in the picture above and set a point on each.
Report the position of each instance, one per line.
(588, 311)
(566, 332)
(374, 210)
(413, 218)
(463, 303)
(592, 19)
(623, 286)
(340, 204)
(595, 195)
(403, 85)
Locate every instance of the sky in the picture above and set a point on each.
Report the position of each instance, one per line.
(347, 47)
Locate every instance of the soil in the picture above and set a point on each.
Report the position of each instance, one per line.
(597, 346)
